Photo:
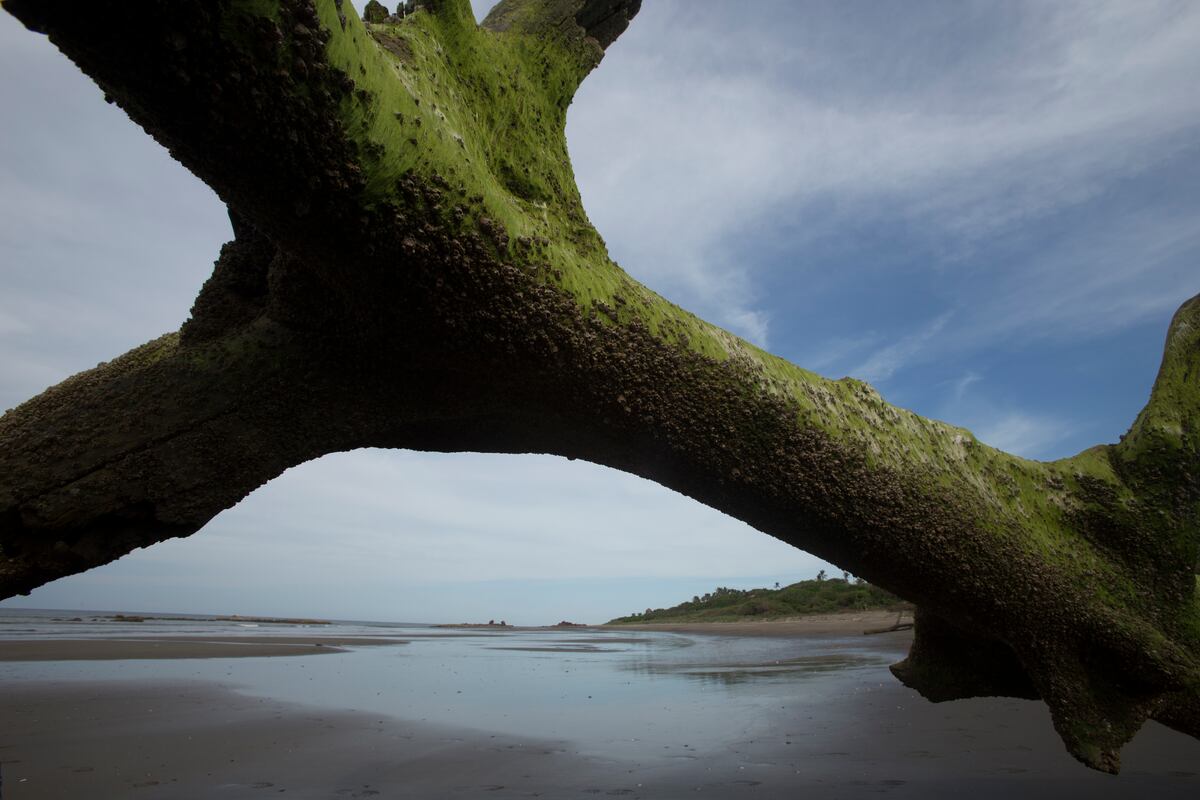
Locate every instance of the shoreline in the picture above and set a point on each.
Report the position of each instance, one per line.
(841, 623)
(175, 647)
(167, 646)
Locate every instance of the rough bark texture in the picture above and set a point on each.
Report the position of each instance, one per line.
(412, 267)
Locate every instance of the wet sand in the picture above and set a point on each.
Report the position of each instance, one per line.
(191, 740)
(179, 647)
(873, 738)
(188, 740)
(841, 624)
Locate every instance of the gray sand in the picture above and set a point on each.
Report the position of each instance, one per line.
(188, 739)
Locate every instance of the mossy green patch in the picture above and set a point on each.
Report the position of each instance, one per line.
(485, 112)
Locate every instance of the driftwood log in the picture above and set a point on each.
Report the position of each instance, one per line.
(412, 267)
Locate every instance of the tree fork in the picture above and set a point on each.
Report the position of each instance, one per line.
(413, 268)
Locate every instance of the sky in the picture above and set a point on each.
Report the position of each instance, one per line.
(990, 211)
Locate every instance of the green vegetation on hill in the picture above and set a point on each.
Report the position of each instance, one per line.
(818, 596)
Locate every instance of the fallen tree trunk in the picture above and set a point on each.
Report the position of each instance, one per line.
(413, 268)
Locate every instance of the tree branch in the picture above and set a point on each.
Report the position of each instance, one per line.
(413, 268)
(600, 20)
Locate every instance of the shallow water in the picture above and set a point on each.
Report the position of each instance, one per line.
(20, 623)
(619, 694)
(669, 714)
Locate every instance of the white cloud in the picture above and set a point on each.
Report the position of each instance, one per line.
(887, 361)
(1003, 424)
(963, 383)
(1025, 435)
(832, 354)
(1127, 272)
(431, 537)
(421, 517)
(700, 127)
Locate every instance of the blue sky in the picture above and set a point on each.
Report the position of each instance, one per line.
(988, 210)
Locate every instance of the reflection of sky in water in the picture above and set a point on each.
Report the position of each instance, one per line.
(789, 669)
(619, 694)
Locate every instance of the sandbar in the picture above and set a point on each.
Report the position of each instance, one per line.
(156, 647)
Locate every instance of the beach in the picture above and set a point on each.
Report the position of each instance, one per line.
(724, 712)
(848, 623)
(189, 740)
(143, 648)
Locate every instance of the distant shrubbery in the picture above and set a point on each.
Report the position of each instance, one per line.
(819, 596)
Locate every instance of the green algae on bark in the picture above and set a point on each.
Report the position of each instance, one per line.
(413, 267)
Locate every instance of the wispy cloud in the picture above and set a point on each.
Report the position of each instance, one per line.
(997, 421)
(349, 506)
(1025, 435)
(1138, 266)
(887, 361)
(832, 354)
(410, 527)
(1036, 109)
(963, 383)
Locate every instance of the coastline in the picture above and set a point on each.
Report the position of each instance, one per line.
(842, 623)
(115, 648)
(173, 647)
